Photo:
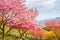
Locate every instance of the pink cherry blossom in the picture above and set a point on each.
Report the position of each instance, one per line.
(54, 25)
(38, 32)
(17, 14)
(11, 7)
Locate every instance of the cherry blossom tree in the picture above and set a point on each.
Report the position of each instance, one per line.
(54, 26)
(14, 14)
(38, 32)
(9, 9)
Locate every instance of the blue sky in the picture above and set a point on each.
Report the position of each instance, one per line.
(47, 8)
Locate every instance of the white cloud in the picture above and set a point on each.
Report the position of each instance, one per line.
(48, 3)
(31, 1)
(44, 3)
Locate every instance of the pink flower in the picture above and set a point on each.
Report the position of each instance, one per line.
(54, 25)
(18, 15)
(38, 32)
(9, 8)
